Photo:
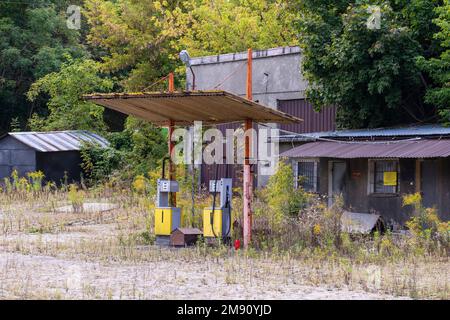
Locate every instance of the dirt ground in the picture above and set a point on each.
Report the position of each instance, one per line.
(41, 276)
(27, 276)
(93, 258)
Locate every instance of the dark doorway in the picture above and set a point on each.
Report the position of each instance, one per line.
(336, 175)
(429, 169)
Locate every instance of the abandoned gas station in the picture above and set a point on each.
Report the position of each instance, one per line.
(371, 169)
(183, 108)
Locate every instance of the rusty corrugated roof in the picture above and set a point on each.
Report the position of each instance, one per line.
(53, 141)
(392, 149)
(183, 108)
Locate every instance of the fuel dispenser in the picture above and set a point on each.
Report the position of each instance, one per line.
(167, 217)
(217, 220)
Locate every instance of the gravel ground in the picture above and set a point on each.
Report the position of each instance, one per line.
(34, 276)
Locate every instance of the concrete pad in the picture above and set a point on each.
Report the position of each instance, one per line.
(90, 207)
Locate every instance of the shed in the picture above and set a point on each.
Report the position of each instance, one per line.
(56, 154)
(181, 237)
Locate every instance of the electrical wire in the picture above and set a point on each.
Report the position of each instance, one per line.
(214, 201)
(193, 182)
(155, 83)
(228, 206)
(230, 75)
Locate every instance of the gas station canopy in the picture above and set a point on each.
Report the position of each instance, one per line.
(183, 108)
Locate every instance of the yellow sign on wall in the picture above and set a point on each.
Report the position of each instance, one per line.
(390, 178)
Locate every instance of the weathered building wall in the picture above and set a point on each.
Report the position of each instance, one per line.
(276, 74)
(277, 83)
(435, 192)
(15, 155)
(56, 165)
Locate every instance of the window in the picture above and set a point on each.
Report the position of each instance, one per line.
(306, 175)
(383, 176)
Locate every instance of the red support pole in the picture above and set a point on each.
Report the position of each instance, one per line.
(249, 74)
(248, 179)
(172, 173)
(171, 82)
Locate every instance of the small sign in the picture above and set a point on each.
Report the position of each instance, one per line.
(390, 178)
(356, 174)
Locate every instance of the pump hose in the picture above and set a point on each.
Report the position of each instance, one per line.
(214, 201)
(163, 174)
(227, 204)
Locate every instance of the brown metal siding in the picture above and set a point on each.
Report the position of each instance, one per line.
(312, 121)
(208, 172)
(390, 206)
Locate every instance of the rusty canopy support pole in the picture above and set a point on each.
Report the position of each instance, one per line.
(171, 82)
(249, 74)
(248, 179)
(172, 174)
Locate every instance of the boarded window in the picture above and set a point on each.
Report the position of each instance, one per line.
(307, 175)
(383, 176)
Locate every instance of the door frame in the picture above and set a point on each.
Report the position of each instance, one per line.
(330, 179)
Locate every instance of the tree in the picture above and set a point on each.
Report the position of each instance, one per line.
(34, 39)
(369, 73)
(67, 109)
(439, 68)
(222, 26)
(141, 39)
(129, 39)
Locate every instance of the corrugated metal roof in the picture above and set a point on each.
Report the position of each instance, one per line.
(399, 149)
(58, 140)
(410, 131)
(183, 108)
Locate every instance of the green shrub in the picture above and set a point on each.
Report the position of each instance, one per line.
(281, 196)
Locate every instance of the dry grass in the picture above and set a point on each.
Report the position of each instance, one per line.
(49, 255)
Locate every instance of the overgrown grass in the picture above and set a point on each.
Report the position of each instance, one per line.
(304, 246)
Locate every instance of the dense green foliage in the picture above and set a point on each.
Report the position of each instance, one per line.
(370, 73)
(34, 41)
(395, 74)
(439, 68)
(67, 109)
(281, 195)
(137, 150)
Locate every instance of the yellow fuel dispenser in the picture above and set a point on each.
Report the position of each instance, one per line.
(167, 218)
(217, 220)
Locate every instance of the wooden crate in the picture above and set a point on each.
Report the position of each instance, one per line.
(182, 237)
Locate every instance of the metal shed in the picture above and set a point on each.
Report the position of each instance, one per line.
(56, 154)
